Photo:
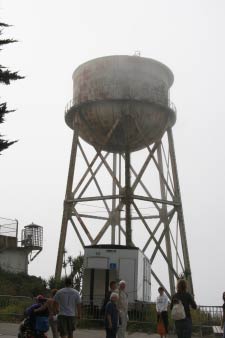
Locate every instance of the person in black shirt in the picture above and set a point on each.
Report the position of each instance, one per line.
(112, 316)
(112, 288)
(183, 326)
(223, 318)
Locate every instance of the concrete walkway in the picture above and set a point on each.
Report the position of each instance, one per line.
(9, 330)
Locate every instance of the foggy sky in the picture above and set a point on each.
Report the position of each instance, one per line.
(55, 37)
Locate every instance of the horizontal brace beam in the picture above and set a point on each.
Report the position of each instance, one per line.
(137, 197)
(95, 217)
(157, 200)
(138, 218)
(122, 219)
(95, 198)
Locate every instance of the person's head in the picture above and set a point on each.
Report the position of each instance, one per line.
(112, 285)
(68, 282)
(40, 299)
(224, 296)
(53, 292)
(122, 285)
(181, 285)
(161, 290)
(114, 297)
(175, 301)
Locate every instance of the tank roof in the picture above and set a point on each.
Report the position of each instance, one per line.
(162, 65)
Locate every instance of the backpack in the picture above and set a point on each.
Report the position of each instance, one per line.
(178, 312)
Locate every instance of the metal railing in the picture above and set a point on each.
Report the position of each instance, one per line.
(8, 227)
(169, 103)
(12, 309)
(138, 311)
(210, 315)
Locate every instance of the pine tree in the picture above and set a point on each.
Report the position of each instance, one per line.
(6, 76)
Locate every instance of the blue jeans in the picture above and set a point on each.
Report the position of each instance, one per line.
(183, 328)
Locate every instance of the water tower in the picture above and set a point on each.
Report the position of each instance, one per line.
(32, 239)
(128, 192)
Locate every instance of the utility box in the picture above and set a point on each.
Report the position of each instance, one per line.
(104, 263)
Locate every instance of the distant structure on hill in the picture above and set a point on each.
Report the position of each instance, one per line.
(15, 255)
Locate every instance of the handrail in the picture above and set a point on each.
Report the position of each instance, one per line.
(19, 297)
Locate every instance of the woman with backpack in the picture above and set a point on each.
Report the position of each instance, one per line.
(181, 302)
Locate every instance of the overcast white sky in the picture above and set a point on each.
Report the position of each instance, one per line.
(57, 36)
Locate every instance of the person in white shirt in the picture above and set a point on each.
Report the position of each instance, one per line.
(69, 306)
(123, 309)
(162, 308)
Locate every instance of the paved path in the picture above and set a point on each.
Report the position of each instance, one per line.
(10, 331)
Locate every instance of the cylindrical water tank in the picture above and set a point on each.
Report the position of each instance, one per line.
(122, 102)
(32, 236)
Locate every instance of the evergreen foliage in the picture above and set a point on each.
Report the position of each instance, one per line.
(6, 76)
(77, 270)
(75, 265)
(20, 284)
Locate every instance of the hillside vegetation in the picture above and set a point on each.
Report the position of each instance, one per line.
(20, 284)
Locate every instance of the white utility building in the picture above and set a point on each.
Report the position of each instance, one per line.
(104, 263)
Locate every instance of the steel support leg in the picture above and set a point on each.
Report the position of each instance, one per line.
(164, 217)
(67, 203)
(187, 266)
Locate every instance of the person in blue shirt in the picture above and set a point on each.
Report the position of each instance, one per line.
(30, 313)
(36, 322)
(112, 316)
